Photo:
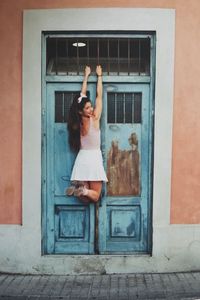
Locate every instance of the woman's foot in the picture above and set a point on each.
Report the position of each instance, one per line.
(74, 187)
(80, 183)
(81, 191)
(70, 190)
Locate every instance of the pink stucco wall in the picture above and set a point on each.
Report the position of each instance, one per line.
(185, 204)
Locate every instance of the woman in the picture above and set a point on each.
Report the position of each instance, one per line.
(84, 135)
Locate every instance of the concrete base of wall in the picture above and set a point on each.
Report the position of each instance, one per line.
(176, 248)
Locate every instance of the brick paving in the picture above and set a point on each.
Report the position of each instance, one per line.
(169, 286)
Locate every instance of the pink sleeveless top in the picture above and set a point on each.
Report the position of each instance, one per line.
(91, 141)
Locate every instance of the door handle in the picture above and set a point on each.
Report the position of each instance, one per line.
(114, 127)
(65, 178)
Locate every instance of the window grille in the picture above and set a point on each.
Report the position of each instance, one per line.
(124, 107)
(117, 56)
(63, 101)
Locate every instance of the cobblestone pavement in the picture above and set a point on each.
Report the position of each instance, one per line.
(98, 287)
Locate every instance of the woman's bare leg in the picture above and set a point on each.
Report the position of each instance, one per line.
(90, 192)
(85, 199)
(94, 190)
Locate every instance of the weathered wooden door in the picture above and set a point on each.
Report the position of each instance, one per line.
(124, 212)
(69, 224)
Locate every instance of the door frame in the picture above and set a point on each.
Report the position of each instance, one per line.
(140, 19)
(46, 79)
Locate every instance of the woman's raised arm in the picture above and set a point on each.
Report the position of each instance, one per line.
(86, 75)
(98, 104)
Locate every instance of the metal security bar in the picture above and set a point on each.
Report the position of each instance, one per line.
(63, 101)
(118, 56)
(124, 108)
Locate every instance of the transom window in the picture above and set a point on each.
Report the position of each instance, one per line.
(117, 56)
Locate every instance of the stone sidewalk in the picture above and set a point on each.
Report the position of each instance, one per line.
(98, 287)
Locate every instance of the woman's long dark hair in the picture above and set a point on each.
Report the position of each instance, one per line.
(74, 121)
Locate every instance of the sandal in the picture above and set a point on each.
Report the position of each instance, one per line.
(70, 190)
(76, 188)
(81, 191)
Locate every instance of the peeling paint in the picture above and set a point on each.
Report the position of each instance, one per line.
(123, 169)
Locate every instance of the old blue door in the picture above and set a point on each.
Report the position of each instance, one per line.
(125, 210)
(69, 225)
(122, 223)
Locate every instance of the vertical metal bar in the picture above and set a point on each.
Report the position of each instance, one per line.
(46, 60)
(72, 98)
(149, 56)
(118, 66)
(128, 56)
(108, 45)
(88, 53)
(63, 107)
(56, 61)
(67, 56)
(139, 55)
(124, 108)
(98, 51)
(77, 58)
(132, 108)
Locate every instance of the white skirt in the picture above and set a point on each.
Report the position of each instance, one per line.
(88, 166)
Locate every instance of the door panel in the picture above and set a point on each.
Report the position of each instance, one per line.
(70, 224)
(124, 209)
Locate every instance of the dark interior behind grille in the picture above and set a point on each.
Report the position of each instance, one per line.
(118, 56)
